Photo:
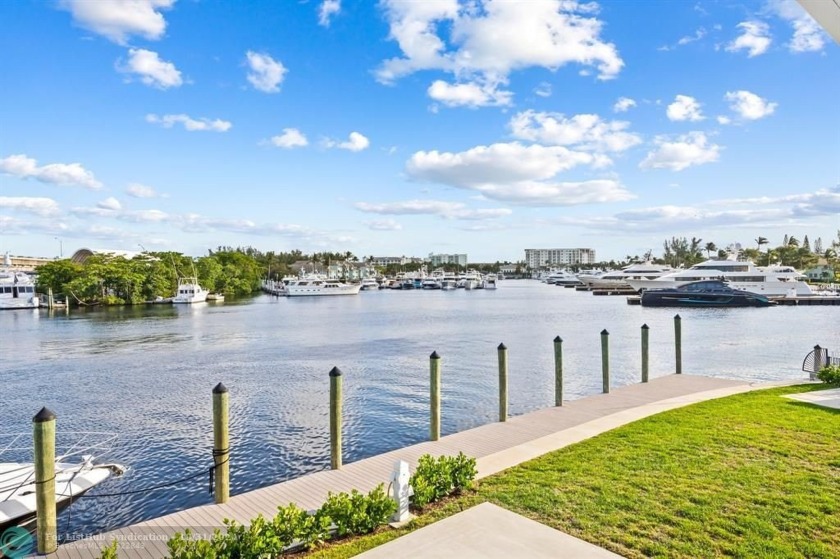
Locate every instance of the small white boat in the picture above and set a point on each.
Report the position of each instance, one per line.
(369, 284)
(317, 287)
(189, 291)
(217, 297)
(17, 289)
(562, 277)
(490, 281)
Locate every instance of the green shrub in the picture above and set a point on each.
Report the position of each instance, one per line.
(110, 551)
(830, 374)
(356, 513)
(434, 479)
(187, 546)
(294, 525)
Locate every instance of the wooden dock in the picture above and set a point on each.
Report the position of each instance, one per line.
(496, 446)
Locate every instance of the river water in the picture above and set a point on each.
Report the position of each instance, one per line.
(146, 373)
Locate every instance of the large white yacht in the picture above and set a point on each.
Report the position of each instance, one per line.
(318, 286)
(773, 281)
(561, 277)
(622, 278)
(17, 289)
(189, 291)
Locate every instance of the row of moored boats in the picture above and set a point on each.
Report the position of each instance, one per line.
(308, 285)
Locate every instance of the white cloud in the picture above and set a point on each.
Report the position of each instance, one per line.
(119, 19)
(39, 206)
(138, 190)
(808, 35)
(543, 90)
(684, 108)
(623, 104)
(723, 119)
(190, 124)
(266, 74)
(689, 149)
(448, 210)
(469, 94)
(290, 138)
(356, 142)
(699, 34)
(516, 173)
(151, 69)
(328, 9)
(110, 203)
(55, 173)
(585, 132)
(484, 42)
(754, 38)
(749, 105)
(383, 225)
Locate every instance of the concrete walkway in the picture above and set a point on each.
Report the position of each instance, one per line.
(496, 446)
(487, 531)
(825, 398)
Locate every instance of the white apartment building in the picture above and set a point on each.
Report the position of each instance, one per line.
(441, 259)
(546, 257)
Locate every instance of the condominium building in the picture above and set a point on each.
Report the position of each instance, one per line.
(546, 257)
(441, 259)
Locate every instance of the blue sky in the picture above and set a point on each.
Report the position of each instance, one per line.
(403, 127)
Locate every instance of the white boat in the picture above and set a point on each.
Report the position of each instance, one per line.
(318, 286)
(449, 282)
(562, 277)
(490, 281)
(17, 289)
(72, 478)
(189, 291)
(369, 284)
(621, 278)
(772, 281)
(216, 297)
(472, 280)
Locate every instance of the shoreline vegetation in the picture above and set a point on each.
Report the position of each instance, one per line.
(751, 475)
(114, 280)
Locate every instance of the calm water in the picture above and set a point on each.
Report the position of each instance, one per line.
(147, 373)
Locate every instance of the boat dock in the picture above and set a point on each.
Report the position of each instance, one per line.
(496, 446)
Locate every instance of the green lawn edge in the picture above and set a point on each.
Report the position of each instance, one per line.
(749, 475)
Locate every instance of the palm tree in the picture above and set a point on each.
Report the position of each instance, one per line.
(710, 247)
(761, 241)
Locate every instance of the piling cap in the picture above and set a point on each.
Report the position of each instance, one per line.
(557, 339)
(645, 327)
(434, 355)
(604, 332)
(43, 416)
(220, 389)
(817, 347)
(502, 346)
(677, 317)
(335, 372)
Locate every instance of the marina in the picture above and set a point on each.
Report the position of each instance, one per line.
(274, 355)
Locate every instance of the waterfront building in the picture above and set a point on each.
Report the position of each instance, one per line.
(537, 258)
(436, 260)
(27, 263)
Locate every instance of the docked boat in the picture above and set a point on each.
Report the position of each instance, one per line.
(449, 282)
(472, 280)
(490, 281)
(216, 297)
(561, 277)
(618, 279)
(707, 293)
(369, 284)
(189, 291)
(17, 289)
(772, 281)
(72, 478)
(315, 287)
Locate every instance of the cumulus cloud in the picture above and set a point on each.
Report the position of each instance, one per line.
(137, 190)
(685, 40)
(119, 19)
(327, 10)
(190, 124)
(290, 138)
(480, 43)
(38, 206)
(448, 210)
(266, 74)
(469, 94)
(383, 225)
(808, 35)
(151, 70)
(722, 119)
(748, 105)
(623, 104)
(585, 131)
(110, 203)
(65, 174)
(515, 173)
(543, 90)
(754, 38)
(683, 152)
(684, 108)
(355, 142)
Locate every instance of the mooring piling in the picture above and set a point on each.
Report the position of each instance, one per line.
(434, 396)
(605, 359)
(43, 435)
(645, 346)
(678, 343)
(558, 371)
(503, 382)
(335, 418)
(221, 444)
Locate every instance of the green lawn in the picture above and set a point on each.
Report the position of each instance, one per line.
(753, 475)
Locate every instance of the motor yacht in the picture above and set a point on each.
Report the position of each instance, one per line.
(707, 293)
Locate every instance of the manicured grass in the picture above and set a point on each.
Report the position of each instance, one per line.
(753, 475)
